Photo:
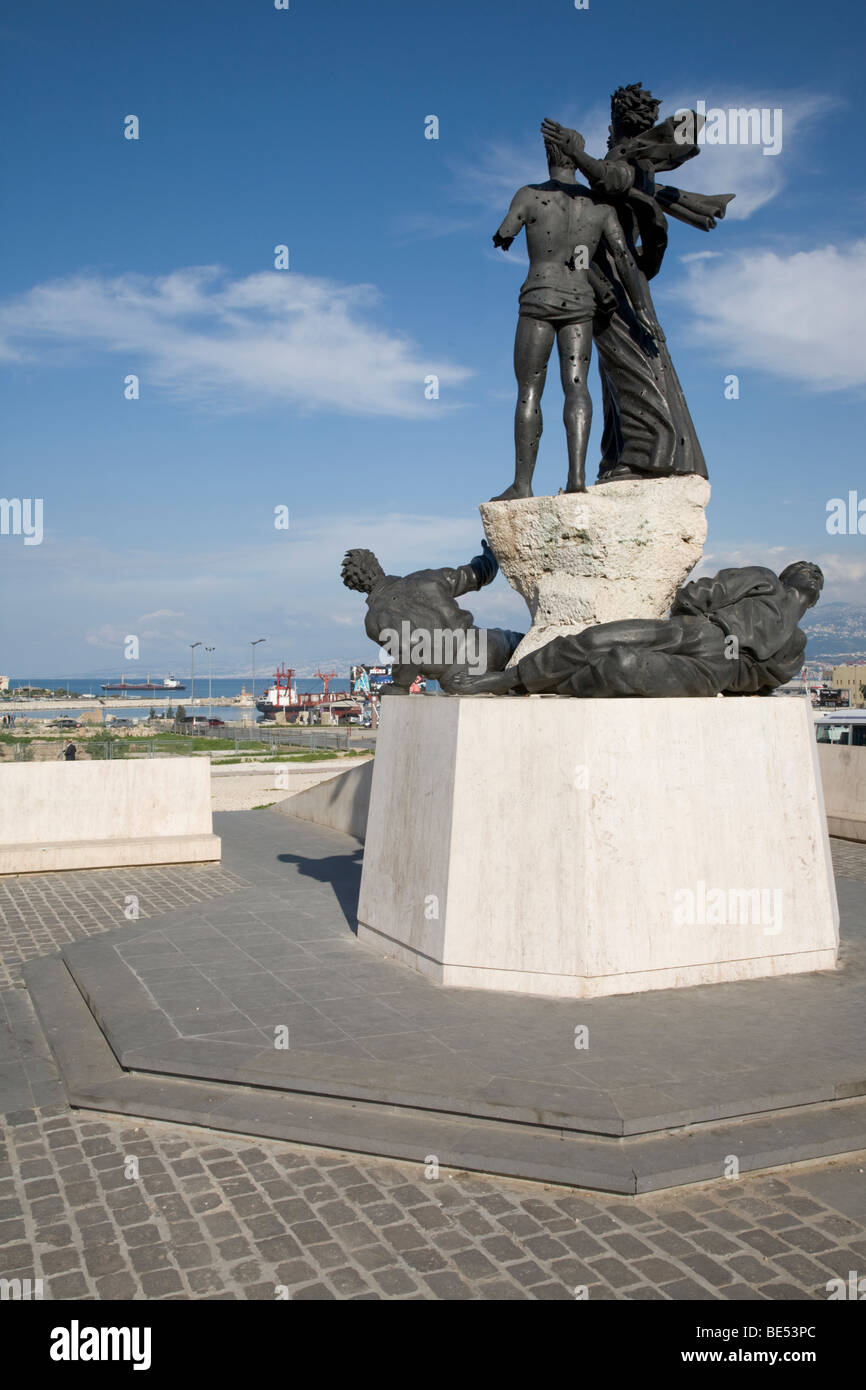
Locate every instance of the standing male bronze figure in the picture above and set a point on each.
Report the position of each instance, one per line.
(565, 227)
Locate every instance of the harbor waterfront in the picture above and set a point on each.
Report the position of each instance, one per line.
(230, 698)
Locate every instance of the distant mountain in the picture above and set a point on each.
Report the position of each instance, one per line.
(836, 632)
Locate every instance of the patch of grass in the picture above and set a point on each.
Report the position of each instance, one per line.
(201, 743)
(264, 806)
(314, 757)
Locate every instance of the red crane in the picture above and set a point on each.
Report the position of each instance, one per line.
(326, 677)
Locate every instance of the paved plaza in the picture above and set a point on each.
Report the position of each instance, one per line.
(101, 1205)
(217, 1216)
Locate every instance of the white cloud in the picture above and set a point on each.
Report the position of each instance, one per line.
(80, 600)
(742, 169)
(798, 316)
(147, 627)
(502, 167)
(271, 337)
(78, 594)
(429, 226)
(105, 636)
(512, 257)
(844, 575)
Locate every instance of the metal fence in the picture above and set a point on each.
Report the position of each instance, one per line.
(290, 736)
(237, 738)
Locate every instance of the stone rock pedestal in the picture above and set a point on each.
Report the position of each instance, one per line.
(619, 550)
(592, 847)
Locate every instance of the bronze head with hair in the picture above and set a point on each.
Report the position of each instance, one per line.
(632, 111)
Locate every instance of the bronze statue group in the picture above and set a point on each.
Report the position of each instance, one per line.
(593, 250)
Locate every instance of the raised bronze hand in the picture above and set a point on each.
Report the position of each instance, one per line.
(571, 141)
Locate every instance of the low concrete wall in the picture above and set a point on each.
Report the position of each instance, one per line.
(843, 773)
(99, 815)
(341, 803)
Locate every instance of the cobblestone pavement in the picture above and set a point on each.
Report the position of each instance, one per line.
(40, 913)
(215, 1216)
(99, 1207)
(849, 859)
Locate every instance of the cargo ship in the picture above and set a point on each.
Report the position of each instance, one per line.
(283, 697)
(122, 687)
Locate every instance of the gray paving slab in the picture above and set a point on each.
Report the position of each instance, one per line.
(283, 954)
(626, 1165)
(217, 1215)
(28, 1073)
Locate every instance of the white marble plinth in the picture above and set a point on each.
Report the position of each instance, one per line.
(102, 815)
(591, 847)
(618, 550)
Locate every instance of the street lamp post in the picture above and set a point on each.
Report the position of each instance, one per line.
(210, 651)
(192, 647)
(254, 644)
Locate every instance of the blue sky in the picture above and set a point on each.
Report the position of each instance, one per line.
(305, 388)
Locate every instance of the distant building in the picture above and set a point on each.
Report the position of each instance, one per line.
(797, 686)
(4, 683)
(852, 679)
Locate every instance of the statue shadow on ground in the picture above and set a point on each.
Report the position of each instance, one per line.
(341, 872)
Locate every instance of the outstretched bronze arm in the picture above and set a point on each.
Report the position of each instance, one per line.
(481, 570)
(512, 223)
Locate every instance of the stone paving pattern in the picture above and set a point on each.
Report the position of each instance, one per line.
(40, 913)
(849, 859)
(212, 1215)
(217, 1216)
(209, 985)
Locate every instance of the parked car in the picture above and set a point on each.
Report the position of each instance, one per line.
(216, 723)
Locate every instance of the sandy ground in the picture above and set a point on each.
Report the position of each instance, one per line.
(244, 786)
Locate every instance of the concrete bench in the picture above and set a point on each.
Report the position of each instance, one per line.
(843, 774)
(101, 815)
